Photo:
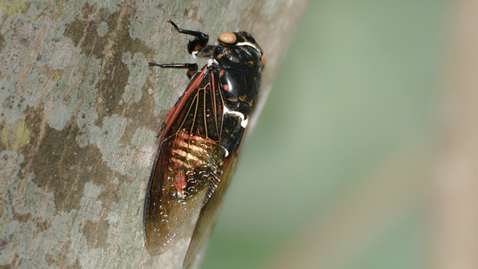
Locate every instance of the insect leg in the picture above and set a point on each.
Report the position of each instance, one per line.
(206, 52)
(196, 44)
(193, 67)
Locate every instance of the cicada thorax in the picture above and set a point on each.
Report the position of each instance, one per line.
(241, 65)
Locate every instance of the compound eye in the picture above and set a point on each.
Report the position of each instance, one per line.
(227, 37)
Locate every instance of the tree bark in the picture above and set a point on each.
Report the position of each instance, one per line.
(80, 110)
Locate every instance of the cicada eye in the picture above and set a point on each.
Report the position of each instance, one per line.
(227, 37)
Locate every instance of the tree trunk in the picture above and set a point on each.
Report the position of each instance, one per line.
(80, 110)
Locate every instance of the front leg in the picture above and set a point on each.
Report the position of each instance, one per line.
(193, 67)
(196, 44)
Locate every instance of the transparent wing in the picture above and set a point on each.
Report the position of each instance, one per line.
(215, 195)
(188, 165)
(209, 212)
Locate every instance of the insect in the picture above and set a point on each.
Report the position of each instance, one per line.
(200, 138)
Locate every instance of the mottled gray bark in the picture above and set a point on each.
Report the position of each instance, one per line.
(79, 114)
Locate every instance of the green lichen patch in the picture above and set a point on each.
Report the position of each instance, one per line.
(12, 8)
(21, 135)
(15, 136)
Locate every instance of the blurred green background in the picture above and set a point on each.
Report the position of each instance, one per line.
(334, 175)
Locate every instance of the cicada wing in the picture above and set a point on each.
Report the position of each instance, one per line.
(188, 159)
(168, 207)
(214, 198)
(209, 212)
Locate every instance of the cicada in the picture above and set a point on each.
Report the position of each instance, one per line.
(201, 137)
